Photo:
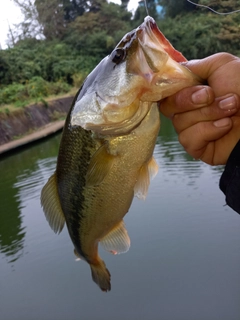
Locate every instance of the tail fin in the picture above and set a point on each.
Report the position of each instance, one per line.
(101, 276)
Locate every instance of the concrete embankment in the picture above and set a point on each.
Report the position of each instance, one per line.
(32, 123)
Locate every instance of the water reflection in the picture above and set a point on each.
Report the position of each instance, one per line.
(174, 160)
(183, 262)
(22, 176)
(29, 183)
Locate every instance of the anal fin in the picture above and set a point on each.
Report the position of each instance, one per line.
(117, 240)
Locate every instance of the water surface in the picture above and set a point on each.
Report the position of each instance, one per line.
(183, 264)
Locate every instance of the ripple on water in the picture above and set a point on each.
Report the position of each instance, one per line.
(29, 183)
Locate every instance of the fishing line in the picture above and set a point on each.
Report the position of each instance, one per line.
(145, 2)
(203, 6)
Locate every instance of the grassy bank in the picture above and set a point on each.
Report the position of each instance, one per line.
(16, 96)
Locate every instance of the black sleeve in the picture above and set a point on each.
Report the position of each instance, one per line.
(230, 179)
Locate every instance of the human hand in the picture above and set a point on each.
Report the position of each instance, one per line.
(207, 118)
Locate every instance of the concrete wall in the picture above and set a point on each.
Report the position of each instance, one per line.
(26, 120)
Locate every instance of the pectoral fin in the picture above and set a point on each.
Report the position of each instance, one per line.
(99, 166)
(117, 240)
(51, 205)
(152, 168)
(147, 172)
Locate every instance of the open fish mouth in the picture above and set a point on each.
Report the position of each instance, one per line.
(156, 51)
(155, 36)
(159, 63)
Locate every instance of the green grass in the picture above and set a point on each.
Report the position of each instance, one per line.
(17, 96)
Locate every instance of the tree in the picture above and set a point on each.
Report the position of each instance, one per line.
(142, 11)
(51, 17)
(96, 33)
(172, 8)
(73, 9)
(221, 5)
(54, 15)
(124, 4)
(30, 27)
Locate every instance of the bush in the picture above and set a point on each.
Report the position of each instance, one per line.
(35, 89)
(78, 79)
(13, 93)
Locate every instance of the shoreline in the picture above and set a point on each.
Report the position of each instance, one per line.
(39, 134)
(32, 123)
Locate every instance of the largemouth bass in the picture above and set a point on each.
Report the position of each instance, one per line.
(106, 150)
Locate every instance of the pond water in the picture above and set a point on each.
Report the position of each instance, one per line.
(184, 260)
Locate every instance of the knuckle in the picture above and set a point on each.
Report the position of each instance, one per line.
(183, 139)
(205, 113)
(165, 107)
(182, 98)
(177, 122)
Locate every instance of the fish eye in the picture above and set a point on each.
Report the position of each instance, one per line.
(118, 56)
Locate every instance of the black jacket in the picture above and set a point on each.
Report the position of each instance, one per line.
(230, 179)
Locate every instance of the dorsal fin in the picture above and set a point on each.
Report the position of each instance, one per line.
(117, 240)
(99, 167)
(146, 173)
(51, 205)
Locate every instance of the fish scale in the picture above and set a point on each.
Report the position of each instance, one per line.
(76, 144)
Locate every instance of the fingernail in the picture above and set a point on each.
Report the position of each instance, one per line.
(200, 97)
(222, 123)
(228, 103)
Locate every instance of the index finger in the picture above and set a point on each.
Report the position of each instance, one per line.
(187, 99)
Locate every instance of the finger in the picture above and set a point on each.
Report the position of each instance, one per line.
(221, 108)
(207, 66)
(225, 145)
(187, 99)
(198, 140)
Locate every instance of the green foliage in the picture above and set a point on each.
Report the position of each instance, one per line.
(35, 89)
(79, 33)
(51, 17)
(173, 8)
(200, 35)
(221, 5)
(78, 79)
(86, 41)
(51, 60)
(12, 93)
(96, 33)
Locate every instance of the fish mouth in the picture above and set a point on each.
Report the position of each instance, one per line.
(156, 48)
(153, 33)
(159, 63)
(149, 71)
